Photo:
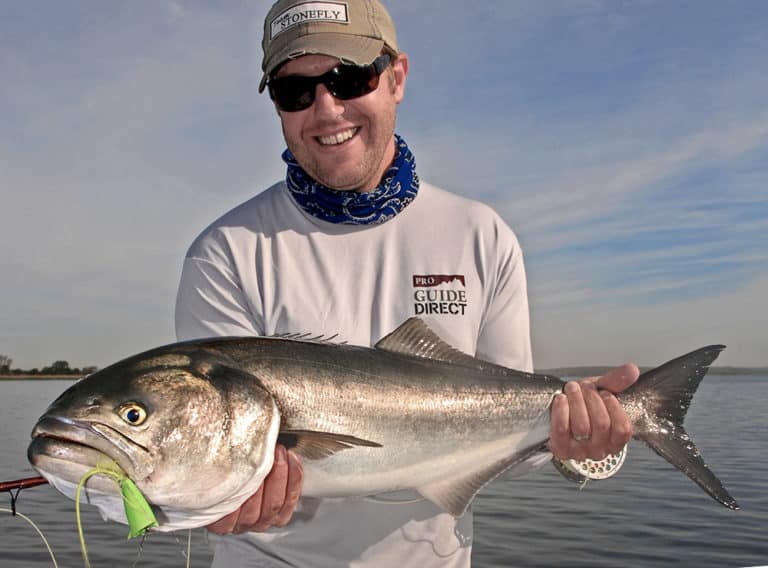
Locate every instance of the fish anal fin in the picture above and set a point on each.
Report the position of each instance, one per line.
(312, 445)
(454, 495)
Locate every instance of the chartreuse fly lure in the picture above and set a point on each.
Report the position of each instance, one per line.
(137, 510)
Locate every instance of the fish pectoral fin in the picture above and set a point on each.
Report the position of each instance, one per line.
(454, 495)
(313, 445)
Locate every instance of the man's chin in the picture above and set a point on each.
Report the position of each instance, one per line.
(341, 181)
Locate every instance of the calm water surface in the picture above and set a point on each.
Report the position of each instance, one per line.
(648, 515)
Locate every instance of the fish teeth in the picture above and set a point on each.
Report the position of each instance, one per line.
(337, 138)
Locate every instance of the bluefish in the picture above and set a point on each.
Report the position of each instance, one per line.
(194, 424)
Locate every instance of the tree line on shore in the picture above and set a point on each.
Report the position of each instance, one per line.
(55, 368)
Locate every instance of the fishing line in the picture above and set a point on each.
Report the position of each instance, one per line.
(139, 552)
(188, 553)
(15, 513)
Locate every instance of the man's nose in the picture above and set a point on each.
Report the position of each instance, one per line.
(326, 104)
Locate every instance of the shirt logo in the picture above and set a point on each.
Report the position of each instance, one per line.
(308, 12)
(435, 294)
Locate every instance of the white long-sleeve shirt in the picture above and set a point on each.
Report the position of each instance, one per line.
(267, 267)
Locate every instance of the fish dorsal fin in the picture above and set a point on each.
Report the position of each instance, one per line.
(454, 495)
(313, 445)
(416, 338)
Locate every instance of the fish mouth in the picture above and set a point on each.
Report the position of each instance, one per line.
(68, 448)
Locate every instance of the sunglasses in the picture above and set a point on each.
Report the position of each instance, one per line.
(295, 92)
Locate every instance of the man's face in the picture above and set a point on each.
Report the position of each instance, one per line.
(346, 145)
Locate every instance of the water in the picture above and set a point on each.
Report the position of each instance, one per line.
(648, 515)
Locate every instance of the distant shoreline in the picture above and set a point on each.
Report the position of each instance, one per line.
(600, 370)
(27, 377)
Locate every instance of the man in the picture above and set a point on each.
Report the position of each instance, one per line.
(353, 243)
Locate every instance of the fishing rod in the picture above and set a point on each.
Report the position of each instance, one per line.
(19, 484)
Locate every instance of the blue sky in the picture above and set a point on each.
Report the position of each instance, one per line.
(625, 142)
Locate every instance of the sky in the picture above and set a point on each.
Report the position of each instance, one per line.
(626, 143)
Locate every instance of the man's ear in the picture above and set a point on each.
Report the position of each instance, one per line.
(399, 74)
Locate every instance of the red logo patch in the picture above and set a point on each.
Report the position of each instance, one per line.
(429, 280)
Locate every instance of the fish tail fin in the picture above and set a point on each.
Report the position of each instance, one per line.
(667, 392)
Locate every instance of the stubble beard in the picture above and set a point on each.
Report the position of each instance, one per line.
(366, 175)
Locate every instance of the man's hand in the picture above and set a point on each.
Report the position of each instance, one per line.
(273, 504)
(588, 420)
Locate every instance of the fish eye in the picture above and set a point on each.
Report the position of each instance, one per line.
(133, 413)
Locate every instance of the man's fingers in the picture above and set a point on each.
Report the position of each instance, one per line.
(621, 426)
(239, 520)
(248, 513)
(560, 430)
(618, 379)
(600, 423)
(274, 492)
(589, 422)
(292, 490)
(579, 416)
(225, 524)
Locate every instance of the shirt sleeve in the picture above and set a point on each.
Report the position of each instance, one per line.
(505, 335)
(211, 303)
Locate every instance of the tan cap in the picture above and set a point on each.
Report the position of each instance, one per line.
(355, 31)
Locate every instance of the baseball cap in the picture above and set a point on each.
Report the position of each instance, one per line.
(354, 31)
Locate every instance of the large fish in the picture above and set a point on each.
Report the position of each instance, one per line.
(195, 424)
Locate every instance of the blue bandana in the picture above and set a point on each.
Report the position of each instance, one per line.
(397, 189)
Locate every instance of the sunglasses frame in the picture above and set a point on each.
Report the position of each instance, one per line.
(345, 82)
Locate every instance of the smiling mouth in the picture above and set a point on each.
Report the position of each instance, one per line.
(338, 138)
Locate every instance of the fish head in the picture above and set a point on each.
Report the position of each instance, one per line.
(193, 433)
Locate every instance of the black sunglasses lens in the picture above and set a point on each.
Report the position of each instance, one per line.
(352, 82)
(294, 92)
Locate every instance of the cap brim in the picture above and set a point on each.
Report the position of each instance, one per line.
(352, 49)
